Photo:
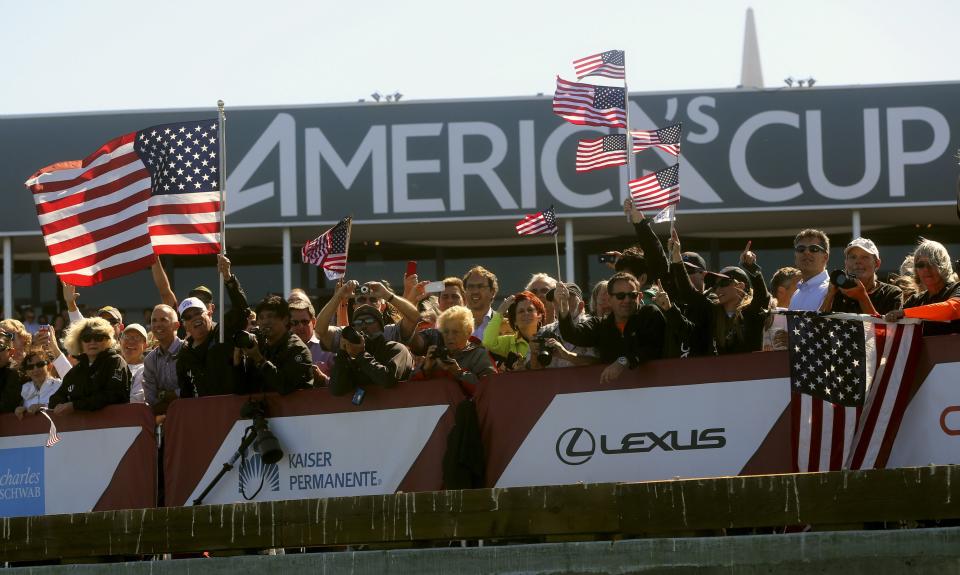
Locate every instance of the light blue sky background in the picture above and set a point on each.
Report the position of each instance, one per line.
(115, 55)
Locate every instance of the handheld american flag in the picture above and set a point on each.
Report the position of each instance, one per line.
(329, 251)
(53, 437)
(589, 105)
(609, 64)
(601, 153)
(850, 382)
(145, 193)
(667, 139)
(657, 190)
(544, 222)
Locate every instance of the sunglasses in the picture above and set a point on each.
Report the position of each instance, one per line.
(110, 320)
(620, 295)
(813, 249)
(365, 321)
(89, 337)
(922, 265)
(29, 366)
(725, 282)
(296, 322)
(365, 299)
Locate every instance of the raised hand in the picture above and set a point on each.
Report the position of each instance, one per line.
(748, 259)
(633, 214)
(673, 246)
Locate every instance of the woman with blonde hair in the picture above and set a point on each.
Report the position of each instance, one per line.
(20, 339)
(456, 357)
(937, 300)
(101, 376)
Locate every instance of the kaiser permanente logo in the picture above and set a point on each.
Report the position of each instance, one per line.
(254, 473)
(21, 482)
(577, 445)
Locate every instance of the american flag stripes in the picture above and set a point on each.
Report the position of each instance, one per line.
(53, 437)
(667, 139)
(657, 190)
(590, 105)
(850, 384)
(544, 222)
(601, 153)
(329, 251)
(145, 193)
(609, 64)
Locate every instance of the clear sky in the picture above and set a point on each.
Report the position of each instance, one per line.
(61, 55)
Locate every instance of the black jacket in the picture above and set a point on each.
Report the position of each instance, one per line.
(288, 367)
(383, 363)
(11, 382)
(93, 386)
(642, 338)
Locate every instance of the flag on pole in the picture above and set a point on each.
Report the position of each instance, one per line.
(52, 436)
(329, 251)
(657, 190)
(609, 64)
(544, 222)
(145, 193)
(667, 139)
(590, 105)
(665, 215)
(850, 382)
(601, 153)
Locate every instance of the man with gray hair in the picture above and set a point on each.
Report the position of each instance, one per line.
(160, 383)
(864, 292)
(303, 322)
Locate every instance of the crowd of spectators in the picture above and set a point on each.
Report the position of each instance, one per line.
(659, 302)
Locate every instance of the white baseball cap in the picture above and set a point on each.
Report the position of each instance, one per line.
(137, 328)
(865, 245)
(191, 302)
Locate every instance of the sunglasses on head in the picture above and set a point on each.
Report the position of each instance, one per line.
(620, 295)
(813, 249)
(364, 321)
(89, 337)
(29, 366)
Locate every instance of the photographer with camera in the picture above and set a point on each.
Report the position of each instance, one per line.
(855, 288)
(548, 349)
(365, 357)
(372, 294)
(455, 356)
(274, 358)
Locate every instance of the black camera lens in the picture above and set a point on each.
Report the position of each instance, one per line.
(351, 334)
(245, 339)
(840, 279)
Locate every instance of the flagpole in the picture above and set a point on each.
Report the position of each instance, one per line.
(346, 247)
(221, 128)
(631, 167)
(556, 245)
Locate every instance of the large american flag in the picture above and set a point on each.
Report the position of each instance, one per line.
(544, 222)
(657, 190)
(589, 105)
(609, 64)
(601, 152)
(667, 139)
(155, 191)
(850, 381)
(329, 251)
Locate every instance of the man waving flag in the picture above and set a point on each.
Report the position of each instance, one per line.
(154, 191)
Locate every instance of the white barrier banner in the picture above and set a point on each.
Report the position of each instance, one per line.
(330, 455)
(930, 431)
(703, 430)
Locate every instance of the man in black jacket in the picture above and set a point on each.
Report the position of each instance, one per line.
(276, 360)
(10, 380)
(630, 335)
(370, 359)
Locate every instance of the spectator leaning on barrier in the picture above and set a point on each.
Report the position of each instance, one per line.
(133, 344)
(40, 385)
(160, 385)
(9, 376)
(481, 287)
(204, 365)
(524, 313)
(366, 358)
(869, 295)
(456, 357)
(101, 376)
(628, 336)
(275, 359)
(303, 322)
(562, 353)
(937, 300)
(811, 253)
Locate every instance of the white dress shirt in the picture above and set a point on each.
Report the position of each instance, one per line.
(809, 295)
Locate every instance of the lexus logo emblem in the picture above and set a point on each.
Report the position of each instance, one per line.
(575, 446)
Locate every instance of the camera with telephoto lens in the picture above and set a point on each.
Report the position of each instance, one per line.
(265, 442)
(246, 339)
(361, 290)
(545, 355)
(840, 279)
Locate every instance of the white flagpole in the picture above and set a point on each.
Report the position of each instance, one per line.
(631, 167)
(556, 245)
(221, 127)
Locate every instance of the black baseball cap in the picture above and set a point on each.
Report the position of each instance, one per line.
(694, 260)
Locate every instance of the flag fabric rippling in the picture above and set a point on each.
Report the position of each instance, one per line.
(154, 191)
(590, 105)
(601, 153)
(609, 64)
(658, 190)
(667, 139)
(329, 250)
(544, 222)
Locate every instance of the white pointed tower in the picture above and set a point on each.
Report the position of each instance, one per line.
(751, 74)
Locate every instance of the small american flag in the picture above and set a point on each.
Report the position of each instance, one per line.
(144, 193)
(657, 190)
(609, 64)
(589, 105)
(667, 139)
(52, 437)
(329, 251)
(544, 222)
(850, 381)
(601, 153)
